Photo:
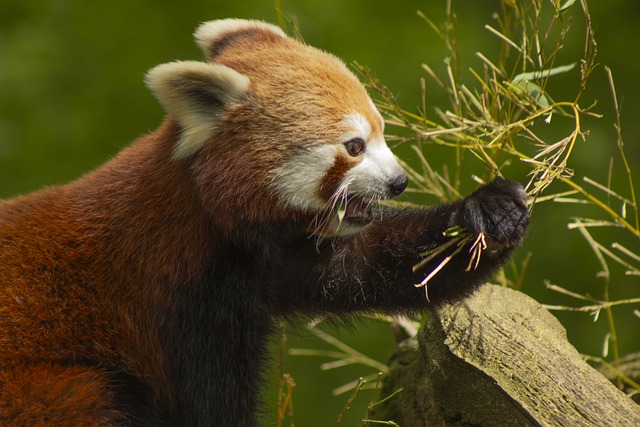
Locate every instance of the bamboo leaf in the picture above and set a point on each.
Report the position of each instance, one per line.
(543, 74)
(567, 5)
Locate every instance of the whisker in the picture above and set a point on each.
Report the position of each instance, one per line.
(322, 219)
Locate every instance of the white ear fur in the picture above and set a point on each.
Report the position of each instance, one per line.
(196, 94)
(209, 33)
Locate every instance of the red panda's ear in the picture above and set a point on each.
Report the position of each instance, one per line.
(196, 95)
(215, 36)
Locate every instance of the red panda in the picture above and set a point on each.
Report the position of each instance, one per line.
(144, 293)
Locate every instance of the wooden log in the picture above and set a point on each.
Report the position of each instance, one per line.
(628, 366)
(499, 359)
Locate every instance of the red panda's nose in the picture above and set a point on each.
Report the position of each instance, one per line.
(398, 184)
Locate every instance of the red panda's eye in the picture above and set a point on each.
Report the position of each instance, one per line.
(355, 146)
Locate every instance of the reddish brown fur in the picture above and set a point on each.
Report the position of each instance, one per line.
(95, 302)
(334, 177)
(55, 395)
(82, 305)
(267, 59)
(95, 298)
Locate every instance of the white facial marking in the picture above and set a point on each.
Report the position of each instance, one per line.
(373, 107)
(299, 179)
(358, 126)
(377, 168)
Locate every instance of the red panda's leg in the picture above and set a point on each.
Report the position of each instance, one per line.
(378, 264)
(48, 394)
(373, 271)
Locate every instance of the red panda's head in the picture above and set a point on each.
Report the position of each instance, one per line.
(275, 127)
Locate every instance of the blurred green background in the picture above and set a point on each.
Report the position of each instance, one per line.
(71, 96)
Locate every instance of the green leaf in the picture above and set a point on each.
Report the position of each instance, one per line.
(567, 5)
(523, 83)
(542, 74)
(534, 91)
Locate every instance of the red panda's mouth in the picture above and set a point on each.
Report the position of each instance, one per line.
(357, 210)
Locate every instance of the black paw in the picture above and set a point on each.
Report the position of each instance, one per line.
(499, 210)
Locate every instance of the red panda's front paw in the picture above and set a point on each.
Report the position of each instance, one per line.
(499, 210)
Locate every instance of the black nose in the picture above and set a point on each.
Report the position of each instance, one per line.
(398, 184)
